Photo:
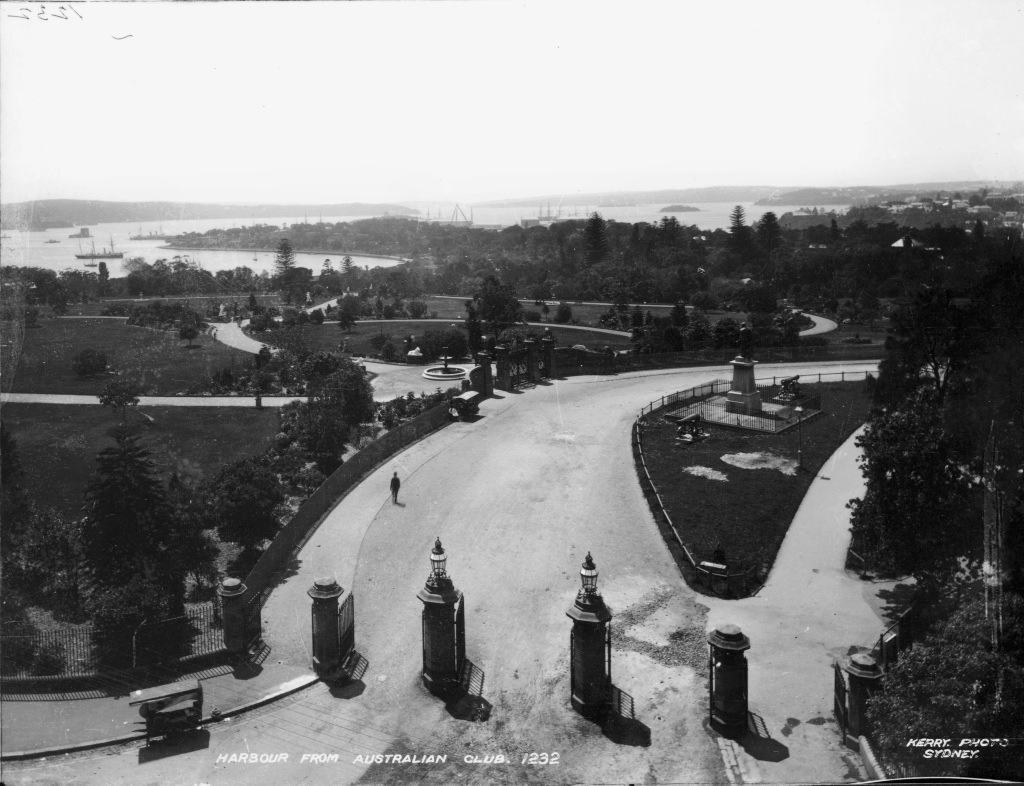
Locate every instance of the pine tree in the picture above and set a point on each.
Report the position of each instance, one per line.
(739, 232)
(285, 259)
(128, 521)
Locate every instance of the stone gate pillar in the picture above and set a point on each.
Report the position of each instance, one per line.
(232, 602)
(482, 376)
(326, 633)
(727, 667)
(503, 380)
(864, 674)
(590, 653)
(547, 351)
(532, 361)
(444, 627)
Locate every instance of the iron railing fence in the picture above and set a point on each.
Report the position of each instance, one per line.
(83, 652)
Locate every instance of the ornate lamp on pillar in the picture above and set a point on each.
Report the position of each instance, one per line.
(590, 647)
(444, 627)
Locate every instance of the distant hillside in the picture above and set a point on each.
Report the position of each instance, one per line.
(47, 213)
(626, 198)
(859, 195)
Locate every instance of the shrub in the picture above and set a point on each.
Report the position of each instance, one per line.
(704, 301)
(89, 362)
(378, 341)
(317, 316)
(188, 332)
(563, 314)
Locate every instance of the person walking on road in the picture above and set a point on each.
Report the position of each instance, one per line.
(396, 484)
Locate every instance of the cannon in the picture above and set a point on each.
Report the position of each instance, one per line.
(170, 711)
(464, 405)
(690, 430)
(790, 388)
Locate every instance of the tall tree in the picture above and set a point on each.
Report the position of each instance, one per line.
(497, 304)
(930, 343)
(243, 497)
(474, 330)
(284, 261)
(922, 502)
(119, 395)
(14, 502)
(128, 521)
(739, 232)
(104, 278)
(769, 233)
(595, 240)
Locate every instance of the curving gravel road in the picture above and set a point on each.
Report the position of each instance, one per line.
(518, 498)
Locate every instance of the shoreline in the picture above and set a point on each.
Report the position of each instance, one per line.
(342, 254)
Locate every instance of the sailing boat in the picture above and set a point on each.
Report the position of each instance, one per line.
(105, 255)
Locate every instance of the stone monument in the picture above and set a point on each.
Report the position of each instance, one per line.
(743, 398)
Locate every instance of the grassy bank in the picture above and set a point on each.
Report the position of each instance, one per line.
(57, 445)
(162, 362)
(746, 512)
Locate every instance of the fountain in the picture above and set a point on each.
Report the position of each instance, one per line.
(445, 372)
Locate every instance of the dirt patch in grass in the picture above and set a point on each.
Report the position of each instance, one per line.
(162, 362)
(57, 445)
(738, 491)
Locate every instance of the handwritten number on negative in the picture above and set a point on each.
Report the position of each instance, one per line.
(26, 12)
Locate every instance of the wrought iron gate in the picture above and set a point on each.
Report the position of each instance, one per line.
(253, 622)
(460, 635)
(518, 367)
(346, 627)
(839, 703)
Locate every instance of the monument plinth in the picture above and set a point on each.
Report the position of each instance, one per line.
(743, 398)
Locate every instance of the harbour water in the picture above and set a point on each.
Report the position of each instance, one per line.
(32, 249)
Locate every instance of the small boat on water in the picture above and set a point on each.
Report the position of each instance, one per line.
(104, 255)
(52, 241)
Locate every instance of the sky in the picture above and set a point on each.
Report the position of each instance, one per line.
(244, 102)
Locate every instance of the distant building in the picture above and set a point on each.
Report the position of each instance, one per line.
(908, 242)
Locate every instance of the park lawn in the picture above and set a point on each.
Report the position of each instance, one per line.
(158, 359)
(199, 302)
(584, 313)
(329, 338)
(877, 331)
(747, 515)
(57, 444)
